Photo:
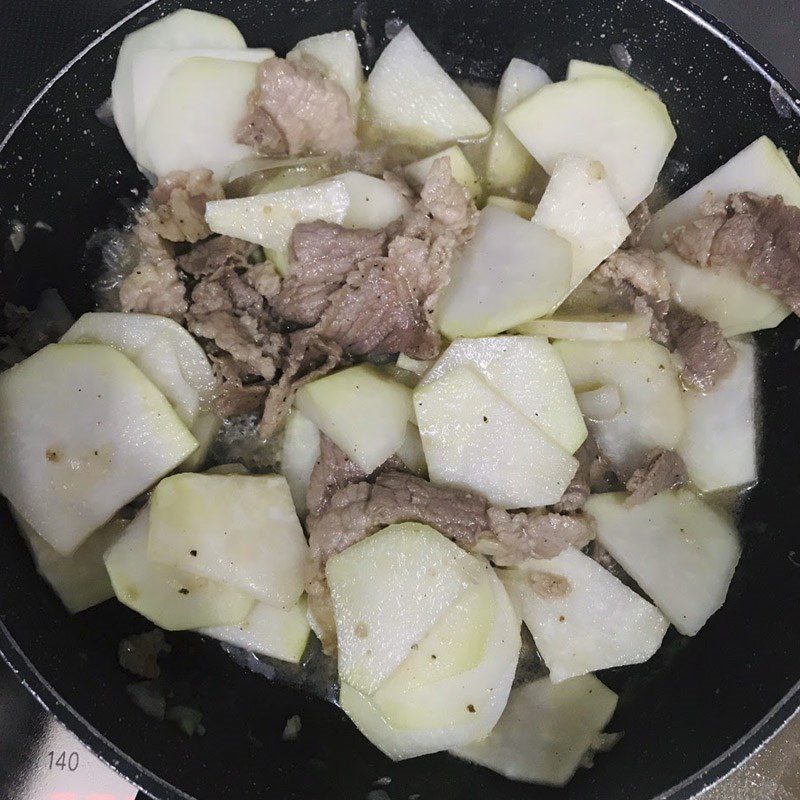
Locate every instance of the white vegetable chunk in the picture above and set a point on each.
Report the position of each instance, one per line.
(205, 429)
(579, 206)
(82, 432)
(413, 99)
(603, 119)
(374, 203)
(337, 54)
(759, 168)
(582, 618)
(475, 440)
(545, 730)
(511, 271)
(518, 207)
(362, 410)
(460, 168)
(168, 597)
(719, 445)
(241, 530)
(388, 591)
(415, 365)
(600, 404)
(529, 374)
(681, 551)
(299, 452)
(591, 327)
(577, 69)
(269, 631)
(411, 452)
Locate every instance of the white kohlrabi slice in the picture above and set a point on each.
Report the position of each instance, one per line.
(603, 119)
(508, 163)
(415, 365)
(337, 54)
(518, 207)
(412, 98)
(476, 440)
(681, 551)
(205, 429)
(579, 206)
(269, 631)
(587, 620)
(82, 432)
(269, 219)
(545, 730)
(168, 597)
(591, 327)
(577, 69)
(529, 374)
(388, 592)
(600, 404)
(461, 169)
(182, 30)
(362, 410)
(374, 203)
(241, 530)
(299, 453)
(722, 296)
(652, 413)
(719, 445)
(511, 271)
(411, 452)
(759, 168)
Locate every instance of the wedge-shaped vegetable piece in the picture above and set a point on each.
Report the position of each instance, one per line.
(82, 432)
(181, 30)
(759, 168)
(268, 219)
(603, 119)
(579, 206)
(269, 631)
(461, 169)
(680, 550)
(430, 704)
(529, 374)
(205, 429)
(337, 54)
(719, 445)
(412, 98)
(545, 730)
(600, 404)
(192, 122)
(508, 163)
(511, 271)
(374, 203)
(411, 452)
(591, 327)
(388, 591)
(518, 207)
(414, 365)
(578, 69)
(80, 579)
(582, 618)
(724, 297)
(475, 440)
(652, 413)
(170, 598)
(362, 410)
(299, 452)
(241, 530)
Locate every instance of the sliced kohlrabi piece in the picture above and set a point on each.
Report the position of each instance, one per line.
(579, 205)
(268, 631)
(508, 163)
(518, 207)
(388, 591)
(182, 30)
(299, 453)
(545, 730)
(374, 203)
(205, 429)
(652, 413)
(759, 168)
(475, 440)
(362, 410)
(461, 169)
(603, 403)
(582, 618)
(719, 445)
(680, 550)
(411, 452)
(168, 597)
(415, 365)
(241, 530)
(529, 374)
(83, 432)
(511, 271)
(411, 98)
(591, 327)
(603, 119)
(577, 69)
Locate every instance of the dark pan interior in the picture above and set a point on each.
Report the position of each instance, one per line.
(685, 709)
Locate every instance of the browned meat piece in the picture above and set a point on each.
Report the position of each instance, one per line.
(233, 397)
(693, 242)
(549, 586)
(296, 110)
(332, 471)
(593, 475)
(213, 255)
(179, 204)
(638, 220)
(662, 470)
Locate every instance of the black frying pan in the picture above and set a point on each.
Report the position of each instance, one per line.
(691, 714)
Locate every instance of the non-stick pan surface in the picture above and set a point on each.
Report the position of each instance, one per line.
(689, 715)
